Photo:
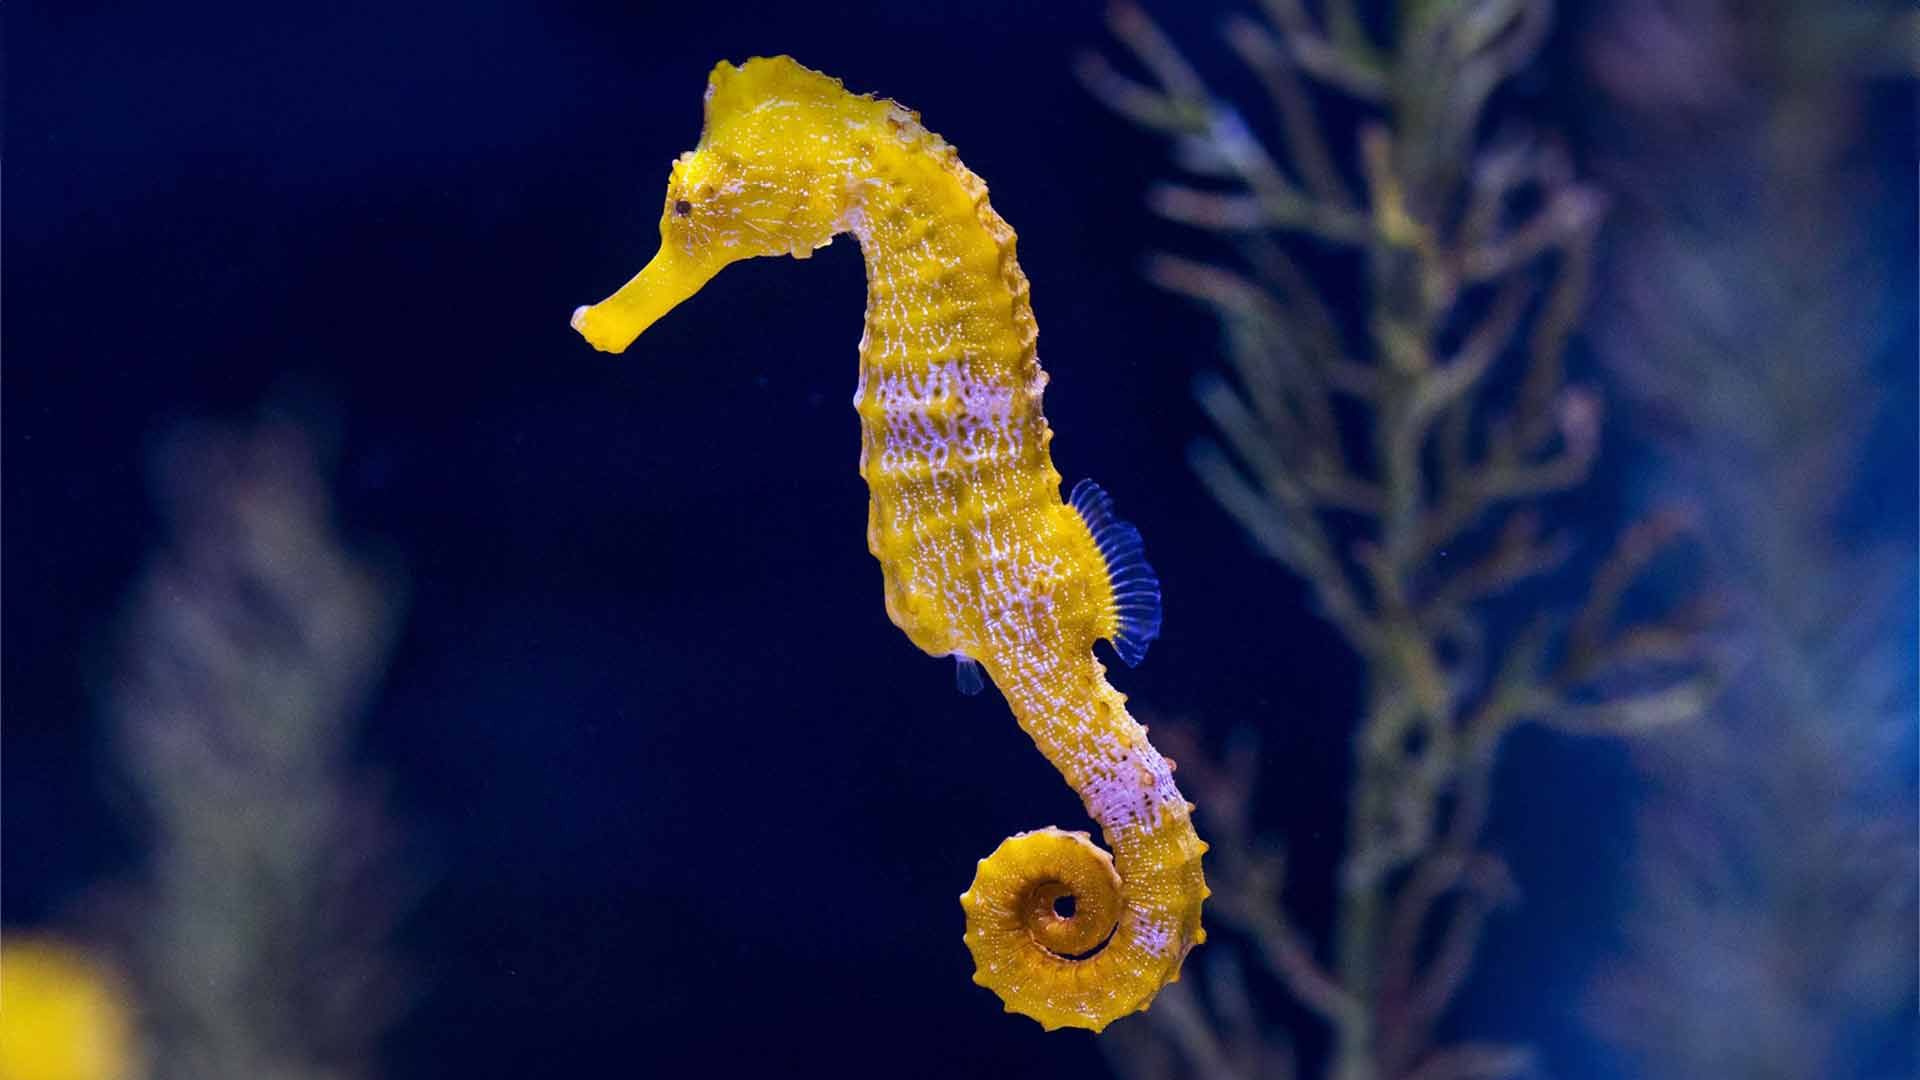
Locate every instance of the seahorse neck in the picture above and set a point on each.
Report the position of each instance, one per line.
(942, 275)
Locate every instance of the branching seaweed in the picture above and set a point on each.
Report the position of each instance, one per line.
(1402, 468)
(261, 940)
(1774, 929)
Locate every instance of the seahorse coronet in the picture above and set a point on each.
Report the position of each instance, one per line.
(981, 558)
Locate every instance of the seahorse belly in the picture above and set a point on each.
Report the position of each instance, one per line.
(949, 395)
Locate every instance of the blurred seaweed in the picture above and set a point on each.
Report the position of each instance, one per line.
(260, 939)
(1750, 304)
(1404, 464)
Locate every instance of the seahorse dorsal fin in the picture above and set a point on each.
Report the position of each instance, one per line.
(1136, 588)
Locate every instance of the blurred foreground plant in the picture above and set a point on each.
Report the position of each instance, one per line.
(261, 942)
(63, 1014)
(1401, 466)
(1774, 934)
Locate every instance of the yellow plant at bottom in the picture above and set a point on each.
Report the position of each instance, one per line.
(63, 1015)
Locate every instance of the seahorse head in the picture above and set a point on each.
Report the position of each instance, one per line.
(772, 174)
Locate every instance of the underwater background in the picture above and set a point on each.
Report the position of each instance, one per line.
(434, 696)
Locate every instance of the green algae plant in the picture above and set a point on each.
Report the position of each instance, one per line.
(1402, 467)
(260, 942)
(1776, 875)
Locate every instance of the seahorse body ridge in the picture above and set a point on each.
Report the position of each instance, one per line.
(980, 558)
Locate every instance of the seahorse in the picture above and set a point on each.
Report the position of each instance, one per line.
(980, 558)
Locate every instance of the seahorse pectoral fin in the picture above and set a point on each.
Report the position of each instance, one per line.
(671, 277)
(967, 675)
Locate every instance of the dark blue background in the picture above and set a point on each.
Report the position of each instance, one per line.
(691, 801)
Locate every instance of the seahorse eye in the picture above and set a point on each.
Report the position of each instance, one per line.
(683, 207)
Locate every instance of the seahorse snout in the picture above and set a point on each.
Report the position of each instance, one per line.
(671, 277)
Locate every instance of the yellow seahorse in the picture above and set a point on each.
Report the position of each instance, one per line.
(981, 559)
